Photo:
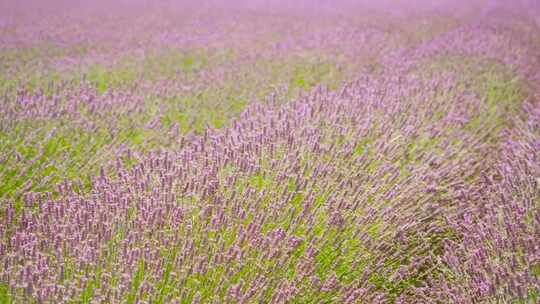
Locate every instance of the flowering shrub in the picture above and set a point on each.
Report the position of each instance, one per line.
(331, 161)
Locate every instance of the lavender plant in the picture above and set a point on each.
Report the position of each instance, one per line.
(336, 160)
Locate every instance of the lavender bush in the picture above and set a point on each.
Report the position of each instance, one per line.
(253, 152)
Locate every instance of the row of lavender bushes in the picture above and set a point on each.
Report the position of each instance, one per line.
(69, 108)
(415, 183)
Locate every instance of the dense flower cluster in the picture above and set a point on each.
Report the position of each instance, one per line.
(415, 180)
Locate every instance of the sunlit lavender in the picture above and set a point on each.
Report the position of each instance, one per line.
(270, 151)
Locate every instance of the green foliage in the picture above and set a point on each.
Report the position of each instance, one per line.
(136, 283)
(5, 296)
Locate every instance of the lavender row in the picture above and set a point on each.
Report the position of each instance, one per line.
(417, 183)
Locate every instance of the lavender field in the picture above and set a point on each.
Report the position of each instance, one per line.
(257, 151)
